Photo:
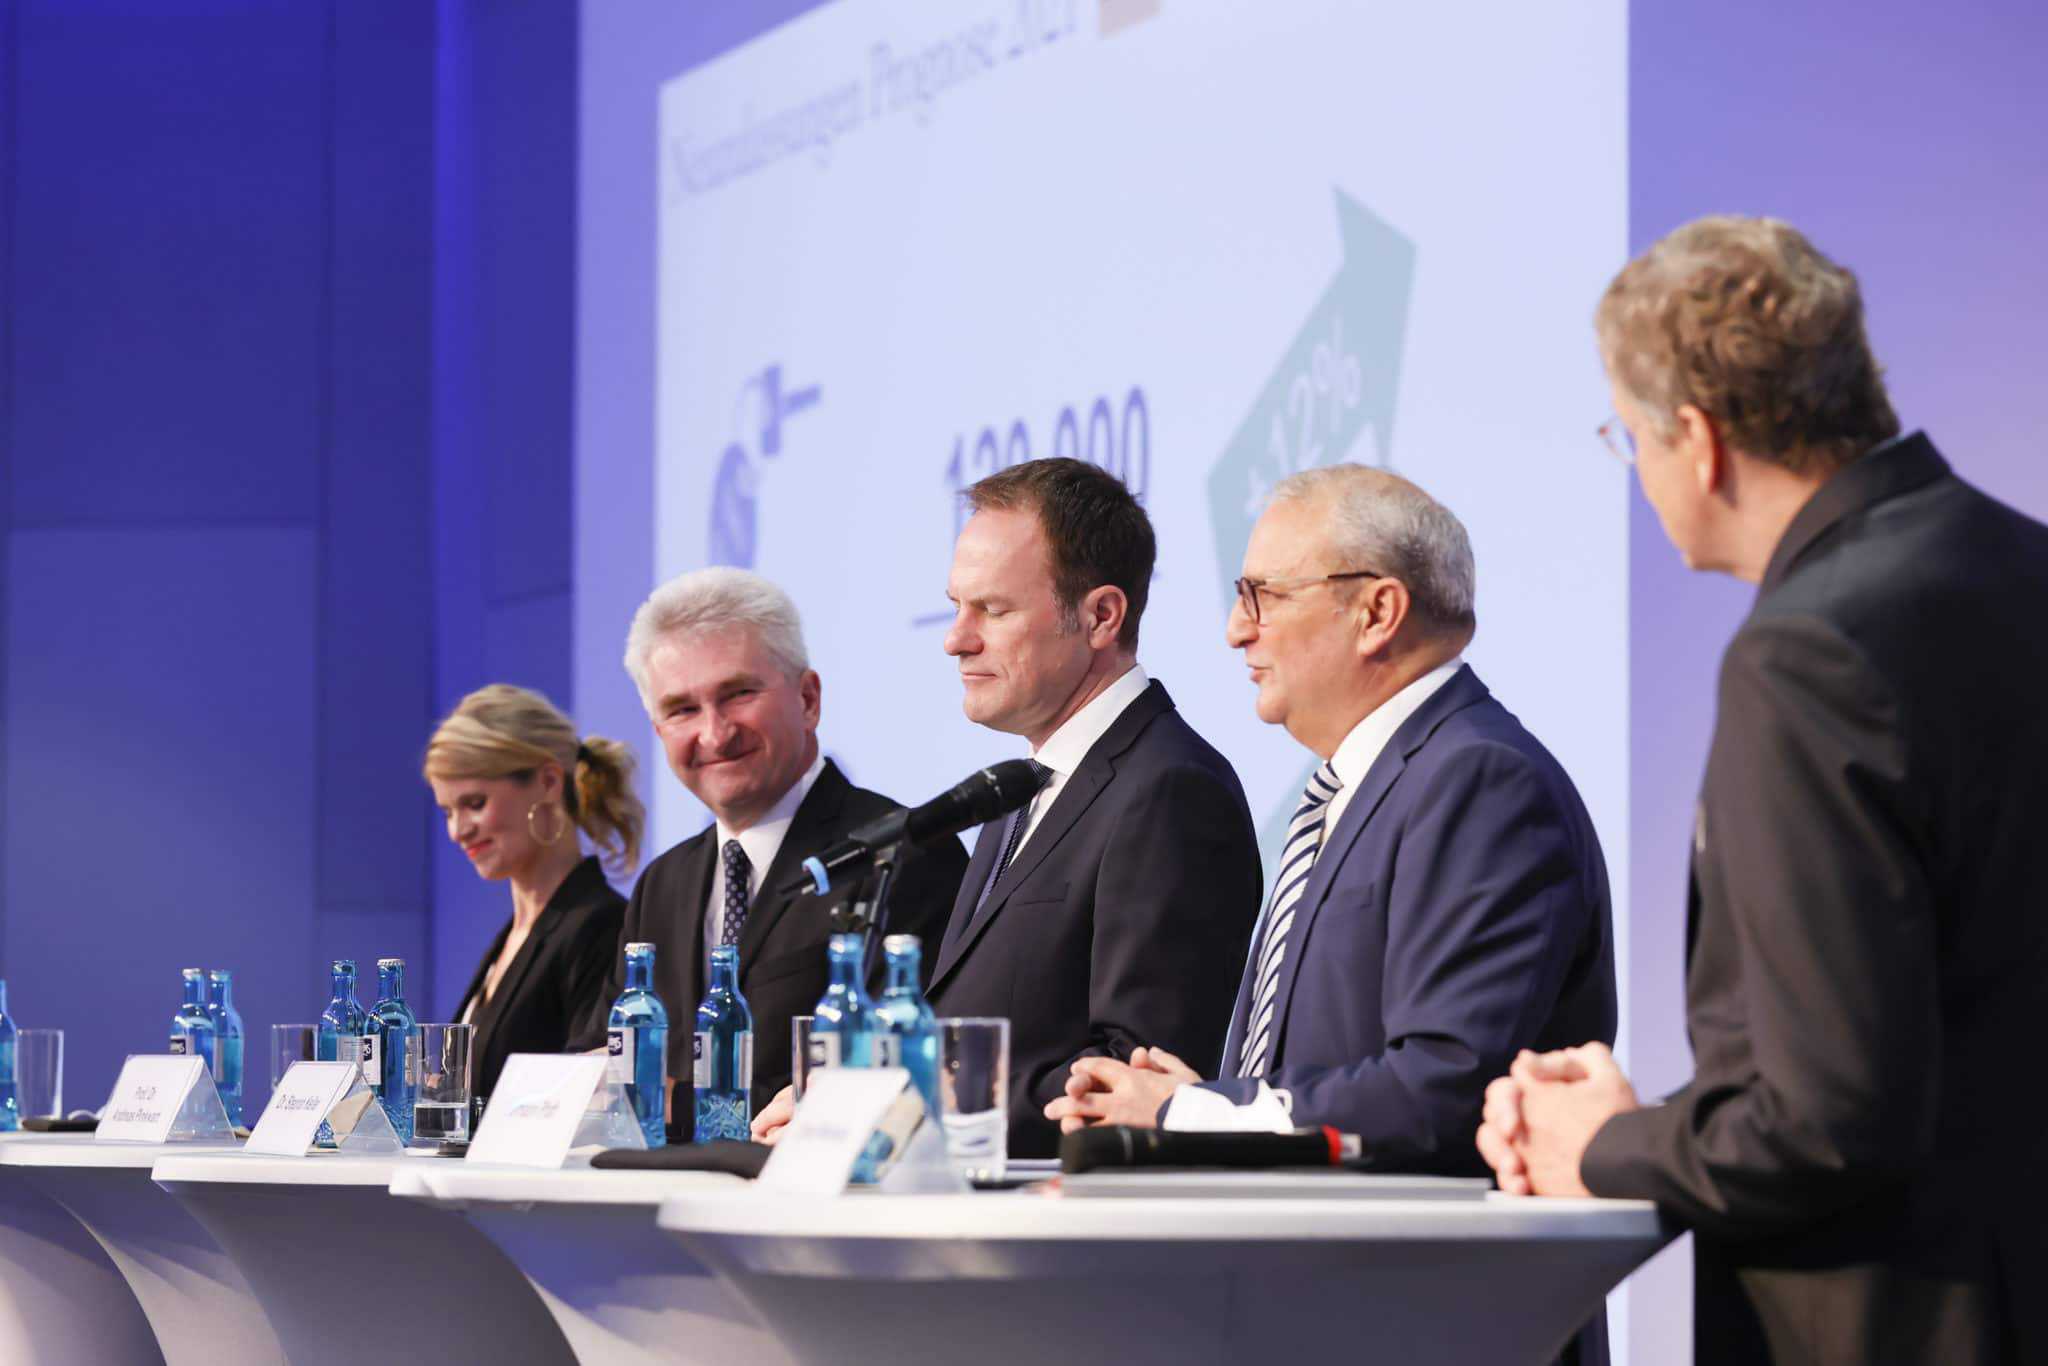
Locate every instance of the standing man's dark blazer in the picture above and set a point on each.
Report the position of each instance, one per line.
(540, 1001)
(1457, 913)
(1860, 1152)
(1122, 920)
(783, 964)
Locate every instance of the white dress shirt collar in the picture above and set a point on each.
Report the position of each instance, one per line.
(1359, 750)
(763, 839)
(1066, 747)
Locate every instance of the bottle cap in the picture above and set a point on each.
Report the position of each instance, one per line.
(639, 948)
(220, 974)
(344, 965)
(383, 963)
(901, 943)
(194, 974)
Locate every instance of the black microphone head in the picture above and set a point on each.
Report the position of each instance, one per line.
(1015, 782)
(982, 796)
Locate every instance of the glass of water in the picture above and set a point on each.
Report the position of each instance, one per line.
(290, 1043)
(441, 1110)
(974, 1091)
(799, 1054)
(39, 1072)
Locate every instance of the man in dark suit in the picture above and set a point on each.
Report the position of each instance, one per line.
(1441, 899)
(1114, 908)
(718, 655)
(1867, 955)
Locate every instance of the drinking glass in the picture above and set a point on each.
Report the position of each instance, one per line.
(974, 1093)
(290, 1043)
(441, 1108)
(799, 1054)
(39, 1072)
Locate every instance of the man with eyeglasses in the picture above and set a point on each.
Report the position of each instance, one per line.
(1441, 900)
(1866, 949)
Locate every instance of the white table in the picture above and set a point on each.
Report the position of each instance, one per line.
(62, 1299)
(348, 1274)
(621, 1290)
(198, 1305)
(1030, 1277)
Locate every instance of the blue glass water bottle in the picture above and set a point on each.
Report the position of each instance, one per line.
(723, 1052)
(843, 1022)
(192, 1032)
(10, 1107)
(910, 1038)
(342, 1020)
(228, 1051)
(388, 1049)
(638, 1045)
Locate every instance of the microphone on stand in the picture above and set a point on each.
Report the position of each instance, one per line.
(979, 798)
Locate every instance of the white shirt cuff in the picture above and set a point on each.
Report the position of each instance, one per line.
(1198, 1108)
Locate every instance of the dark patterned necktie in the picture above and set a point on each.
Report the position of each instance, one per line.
(1014, 834)
(737, 871)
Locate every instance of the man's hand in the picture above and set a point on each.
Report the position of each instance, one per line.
(1105, 1091)
(1541, 1116)
(774, 1117)
(1501, 1129)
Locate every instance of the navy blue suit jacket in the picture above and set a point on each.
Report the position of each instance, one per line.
(1457, 912)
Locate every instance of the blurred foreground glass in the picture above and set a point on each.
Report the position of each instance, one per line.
(442, 1108)
(290, 1043)
(974, 1088)
(39, 1069)
(799, 1054)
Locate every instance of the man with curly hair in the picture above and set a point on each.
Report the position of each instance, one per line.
(1867, 954)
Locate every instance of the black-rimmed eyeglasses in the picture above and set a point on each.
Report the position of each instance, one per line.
(1248, 590)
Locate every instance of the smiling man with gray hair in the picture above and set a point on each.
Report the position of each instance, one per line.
(1441, 900)
(718, 656)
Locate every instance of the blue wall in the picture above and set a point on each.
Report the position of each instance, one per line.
(251, 387)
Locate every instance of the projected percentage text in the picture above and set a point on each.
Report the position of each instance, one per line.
(1320, 396)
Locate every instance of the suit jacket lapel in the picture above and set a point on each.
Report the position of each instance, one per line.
(987, 844)
(1463, 690)
(1086, 783)
(486, 1017)
(816, 822)
(695, 879)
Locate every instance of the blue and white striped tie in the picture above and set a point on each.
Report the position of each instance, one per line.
(1297, 860)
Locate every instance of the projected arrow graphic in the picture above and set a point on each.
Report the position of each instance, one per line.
(1336, 382)
(1337, 379)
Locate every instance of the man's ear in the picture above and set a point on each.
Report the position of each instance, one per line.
(1382, 610)
(1705, 454)
(1102, 615)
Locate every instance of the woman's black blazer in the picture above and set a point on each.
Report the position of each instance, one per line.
(554, 981)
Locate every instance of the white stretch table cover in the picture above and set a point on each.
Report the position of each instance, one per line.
(1030, 1277)
(349, 1275)
(622, 1290)
(197, 1302)
(62, 1299)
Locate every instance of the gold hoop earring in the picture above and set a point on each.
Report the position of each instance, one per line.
(549, 840)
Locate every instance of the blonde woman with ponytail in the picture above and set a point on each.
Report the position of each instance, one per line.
(521, 796)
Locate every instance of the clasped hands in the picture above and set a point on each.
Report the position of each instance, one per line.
(1099, 1091)
(1542, 1114)
(1106, 1091)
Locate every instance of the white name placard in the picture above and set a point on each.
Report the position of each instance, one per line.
(538, 1102)
(309, 1090)
(841, 1109)
(147, 1098)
